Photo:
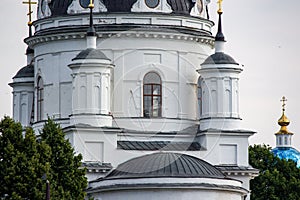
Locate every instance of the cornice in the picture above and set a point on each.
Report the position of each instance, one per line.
(32, 41)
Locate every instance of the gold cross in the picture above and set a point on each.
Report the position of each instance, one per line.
(220, 6)
(283, 100)
(30, 3)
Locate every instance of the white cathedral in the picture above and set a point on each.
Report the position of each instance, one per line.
(141, 95)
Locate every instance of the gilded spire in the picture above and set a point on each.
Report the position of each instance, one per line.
(283, 121)
(220, 35)
(91, 35)
(30, 3)
(220, 6)
(91, 5)
(91, 31)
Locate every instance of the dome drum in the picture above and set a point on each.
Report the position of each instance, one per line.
(56, 8)
(119, 21)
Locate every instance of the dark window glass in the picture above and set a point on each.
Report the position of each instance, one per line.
(199, 96)
(152, 95)
(152, 3)
(85, 3)
(40, 99)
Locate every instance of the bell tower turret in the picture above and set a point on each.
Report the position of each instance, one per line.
(220, 87)
(91, 71)
(23, 83)
(220, 131)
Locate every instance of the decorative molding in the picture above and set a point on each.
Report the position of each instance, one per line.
(41, 39)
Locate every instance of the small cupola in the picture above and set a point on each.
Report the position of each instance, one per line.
(283, 136)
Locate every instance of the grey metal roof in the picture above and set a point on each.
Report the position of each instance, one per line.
(60, 7)
(29, 51)
(178, 6)
(27, 71)
(165, 165)
(219, 58)
(238, 131)
(91, 54)
(99, 165)
(159, 145)
(224, 168)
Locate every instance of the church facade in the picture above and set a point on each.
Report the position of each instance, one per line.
(147, 82)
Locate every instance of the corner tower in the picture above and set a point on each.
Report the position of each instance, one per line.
(220, 132)
(23, 84)
(91, 72)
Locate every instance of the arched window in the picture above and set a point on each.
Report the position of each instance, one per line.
(199, 96)
(40, 99)
(152, 95)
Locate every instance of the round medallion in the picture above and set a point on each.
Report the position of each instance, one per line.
(152, 3)
(84, 3)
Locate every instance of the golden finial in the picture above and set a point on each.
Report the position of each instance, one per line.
(91, 5)
(30, 3)
(283, 121)
(220, 6)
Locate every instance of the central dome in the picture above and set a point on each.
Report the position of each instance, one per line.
(177, 6)
(165, 165)
(61, 7)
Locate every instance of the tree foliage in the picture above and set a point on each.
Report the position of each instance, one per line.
(67, 179)
(25, 159)
(278, 179)
(21, 162)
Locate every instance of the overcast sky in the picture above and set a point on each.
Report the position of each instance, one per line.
(261, 35)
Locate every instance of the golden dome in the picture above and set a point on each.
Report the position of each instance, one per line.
(283, 121)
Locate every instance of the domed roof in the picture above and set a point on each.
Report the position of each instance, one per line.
(219, 58)
(60, 7)
(27, 71)
(283, 120)
(165, 165)
(287, 153)
(91, 53)
(29, 51)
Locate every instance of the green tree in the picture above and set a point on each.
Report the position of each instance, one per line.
(66, 178)
(25, 159)
(278, 179)
(21, 162)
